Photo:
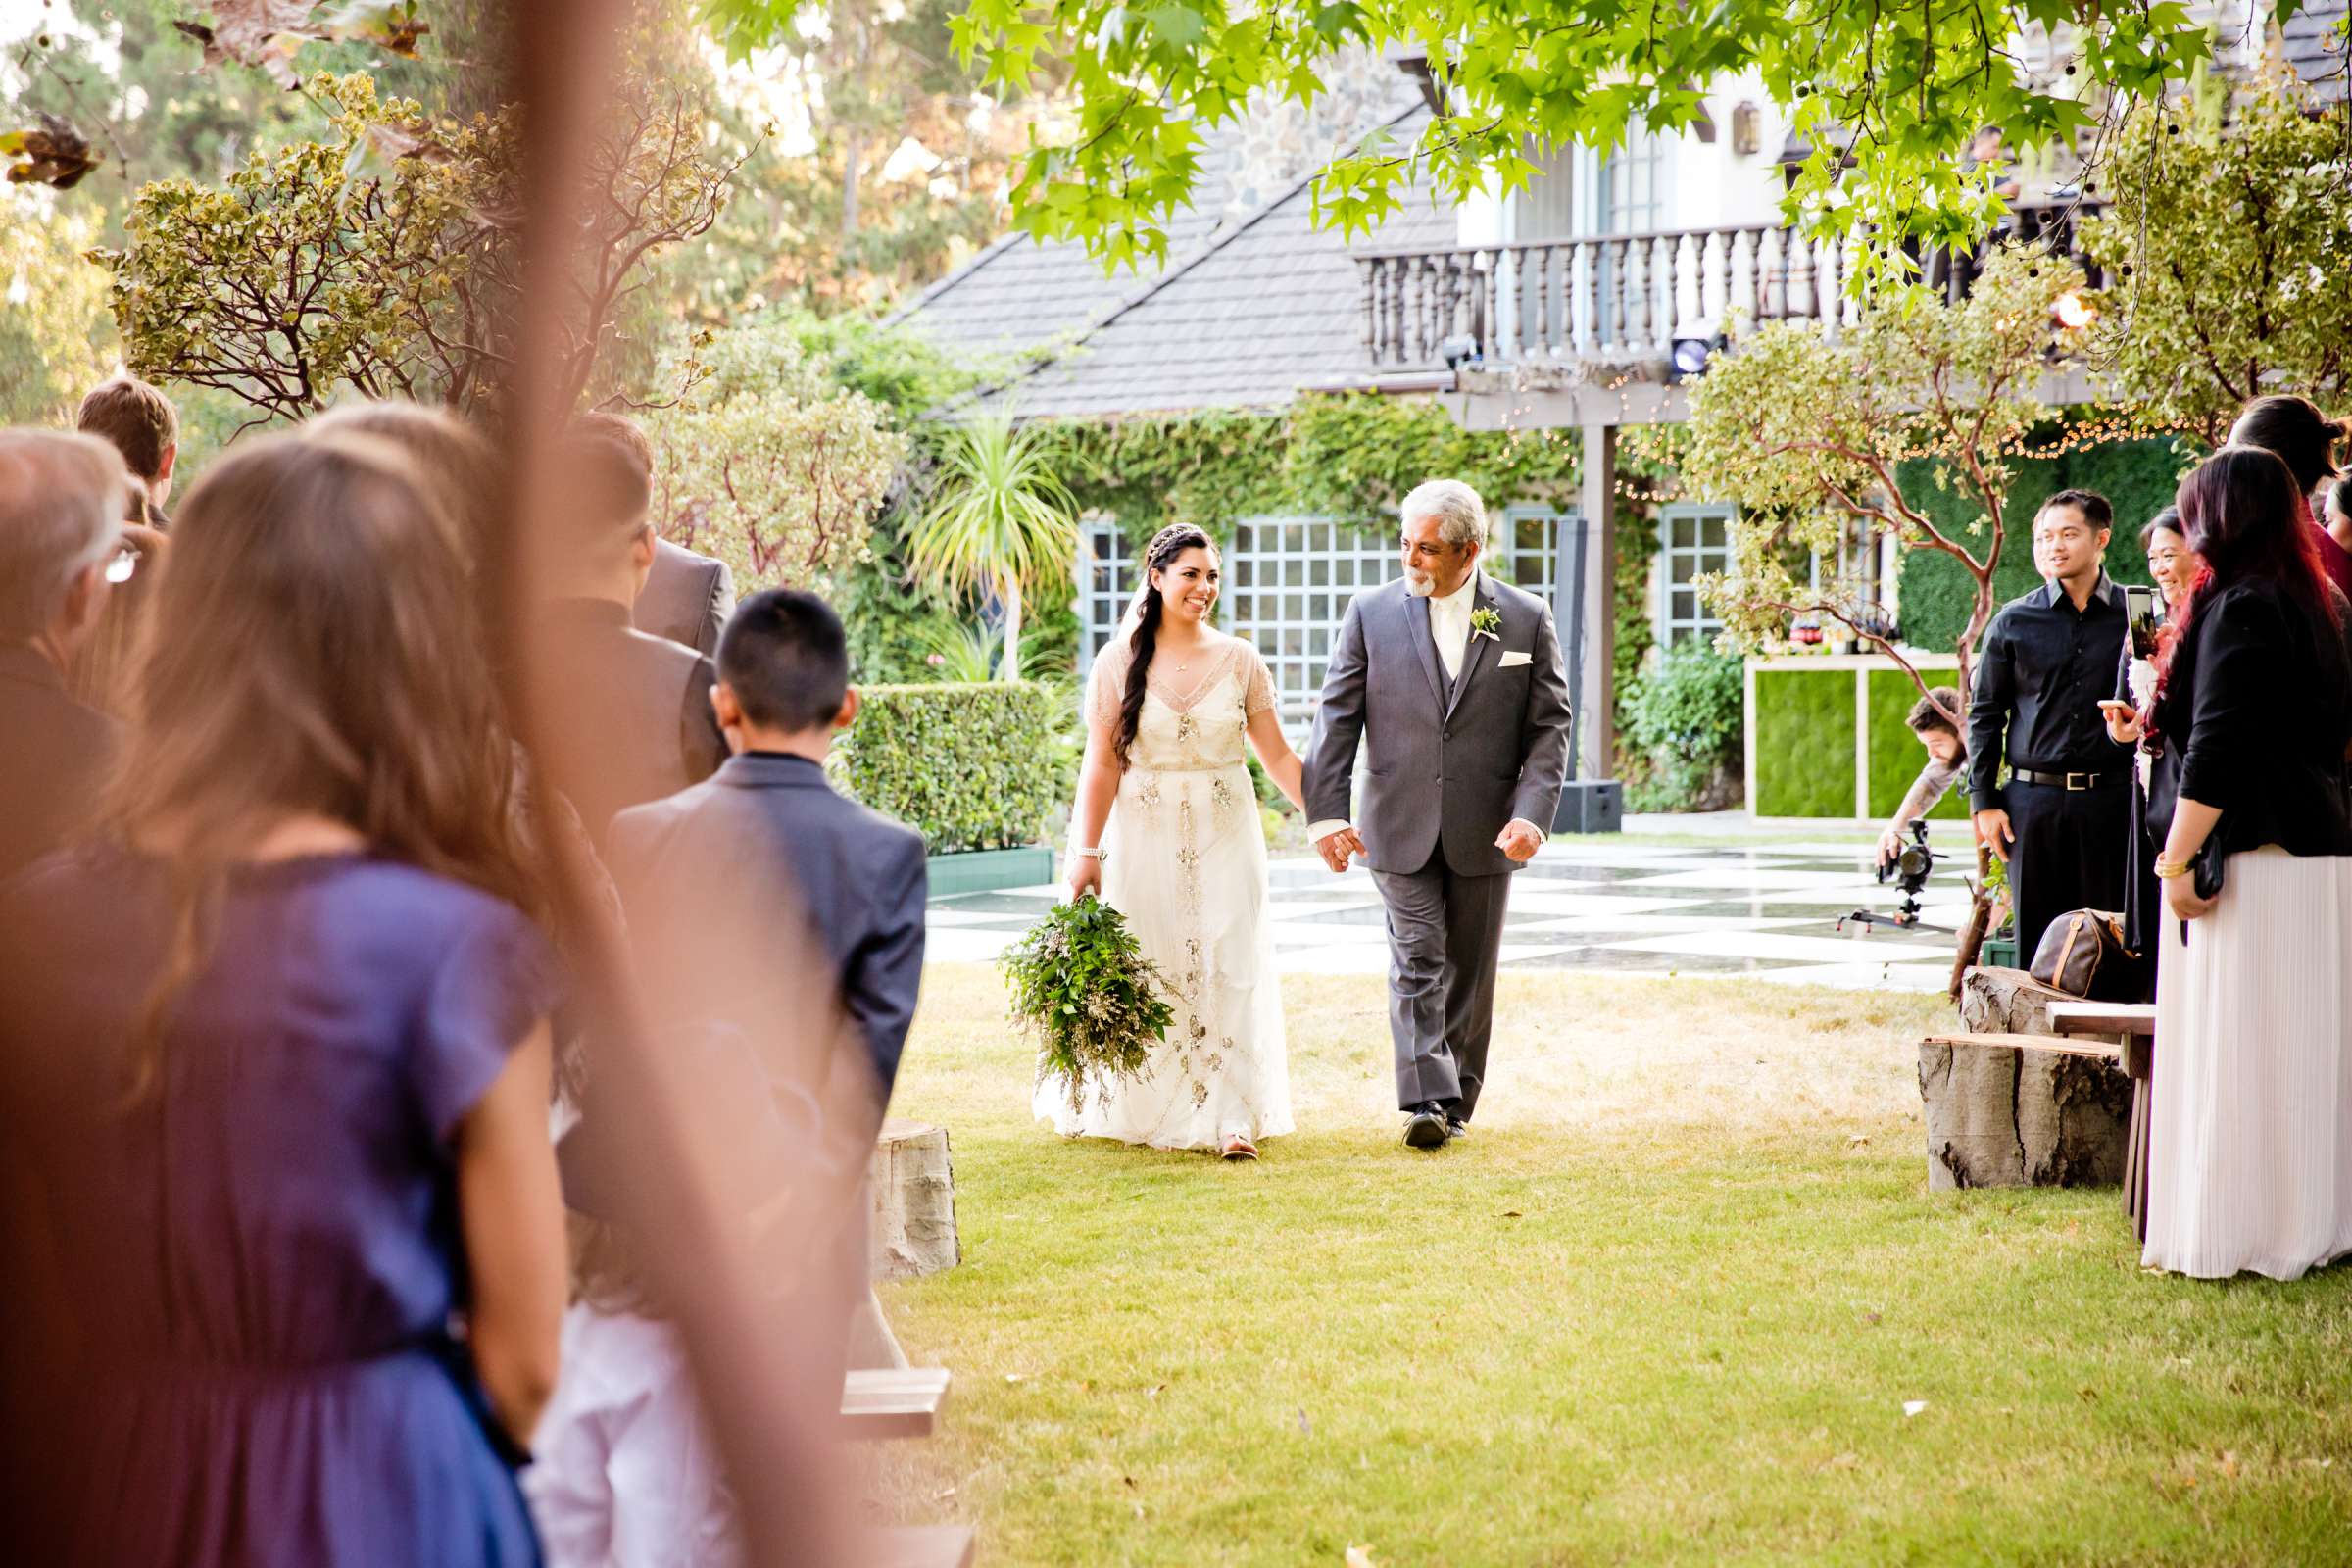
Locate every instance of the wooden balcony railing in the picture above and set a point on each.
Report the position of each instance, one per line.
(1624, 298)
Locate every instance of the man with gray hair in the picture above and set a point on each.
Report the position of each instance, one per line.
(1451, 682)
(60, 529)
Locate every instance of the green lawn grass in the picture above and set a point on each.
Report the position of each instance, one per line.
(1667, 1304)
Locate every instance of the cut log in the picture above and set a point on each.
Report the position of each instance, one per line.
(2006, 1002)
(914, 1182)
(2007, 1110)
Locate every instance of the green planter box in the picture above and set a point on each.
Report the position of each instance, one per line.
(987, 871)
(1998, 953)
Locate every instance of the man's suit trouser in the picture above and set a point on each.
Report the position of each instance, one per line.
(1445, 937)
(2070, 853)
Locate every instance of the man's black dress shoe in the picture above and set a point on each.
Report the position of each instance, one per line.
(1427, 1129)
(1455, 1127)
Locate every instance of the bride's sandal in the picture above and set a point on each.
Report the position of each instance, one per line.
(1238, 1147)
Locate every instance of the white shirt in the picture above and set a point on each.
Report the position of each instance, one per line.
(1449, 625)
(1449, 629)
(624, 1475)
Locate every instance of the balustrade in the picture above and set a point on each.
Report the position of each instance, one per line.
(1627, 297)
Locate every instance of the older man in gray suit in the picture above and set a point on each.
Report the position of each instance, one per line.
(1451, 682)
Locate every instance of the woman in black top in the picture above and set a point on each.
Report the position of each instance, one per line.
(2252, 1133)
(2173, 568)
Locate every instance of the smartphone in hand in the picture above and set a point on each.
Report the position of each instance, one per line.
(2143, 613)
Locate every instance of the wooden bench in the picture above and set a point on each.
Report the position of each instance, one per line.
(2006, 1109)
(2103, 1017)
(2133, 1023)
(919, 1546)
(893, 1402)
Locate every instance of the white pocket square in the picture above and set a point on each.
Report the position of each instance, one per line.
(1510, 658)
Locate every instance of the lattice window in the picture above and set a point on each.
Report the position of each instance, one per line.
(1526, 552)
(1691, 539)
(1105, 573)
(1288, 581)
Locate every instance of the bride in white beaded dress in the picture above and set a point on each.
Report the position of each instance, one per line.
(1166, 830)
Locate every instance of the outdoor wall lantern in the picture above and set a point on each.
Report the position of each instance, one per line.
(1689, 357)
(1747, 130)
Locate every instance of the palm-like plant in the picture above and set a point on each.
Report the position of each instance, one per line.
(1003, 522)
(957, 651)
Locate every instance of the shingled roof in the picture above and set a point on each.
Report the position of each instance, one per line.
(2313, 42)
(1248, 311)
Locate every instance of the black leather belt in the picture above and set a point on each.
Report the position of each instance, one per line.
(2070, 781)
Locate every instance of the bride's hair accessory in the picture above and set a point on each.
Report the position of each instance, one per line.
(1167, 545)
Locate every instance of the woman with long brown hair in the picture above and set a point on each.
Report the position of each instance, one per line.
(1166, 830)
(277, 1052)
(2251, 1129)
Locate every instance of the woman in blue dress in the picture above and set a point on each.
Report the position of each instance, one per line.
(274, 1063)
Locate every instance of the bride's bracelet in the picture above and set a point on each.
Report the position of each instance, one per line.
(1093, 854)
(2168, 869)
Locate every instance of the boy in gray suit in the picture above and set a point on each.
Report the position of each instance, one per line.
(768, 814)
(1452, 682)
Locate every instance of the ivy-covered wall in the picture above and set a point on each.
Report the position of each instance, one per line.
(2137, 479)
(1350, 457)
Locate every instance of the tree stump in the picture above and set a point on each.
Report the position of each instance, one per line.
(2006, 1002)
(2006, 1109)
(913, 1185)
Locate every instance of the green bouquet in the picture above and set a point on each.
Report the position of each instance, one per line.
(1082, 986)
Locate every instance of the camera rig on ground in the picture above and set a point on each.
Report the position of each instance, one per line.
(1910, 868)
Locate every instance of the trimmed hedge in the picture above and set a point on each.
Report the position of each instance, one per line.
(1895, 752)
(1804, 743)
(976, 765)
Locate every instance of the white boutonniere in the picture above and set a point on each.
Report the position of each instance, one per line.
(1486, 621)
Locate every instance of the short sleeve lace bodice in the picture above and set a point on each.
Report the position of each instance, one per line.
(1195, 711)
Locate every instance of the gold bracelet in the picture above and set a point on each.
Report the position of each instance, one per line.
(2168, 869)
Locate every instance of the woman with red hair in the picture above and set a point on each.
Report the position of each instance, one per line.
(2252, 1125)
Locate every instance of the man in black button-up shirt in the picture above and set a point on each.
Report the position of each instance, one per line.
(2061, 818)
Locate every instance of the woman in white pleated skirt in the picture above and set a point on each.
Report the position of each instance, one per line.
(2251, 1141)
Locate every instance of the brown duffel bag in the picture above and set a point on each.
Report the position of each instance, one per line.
(2082, 955)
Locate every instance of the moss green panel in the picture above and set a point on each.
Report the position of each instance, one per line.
(1896, 753)
(1804, 743)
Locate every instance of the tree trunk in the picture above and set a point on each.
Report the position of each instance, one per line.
(1010, 668)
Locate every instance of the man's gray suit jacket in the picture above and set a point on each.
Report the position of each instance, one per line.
(686, 597)
(1448, 763)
